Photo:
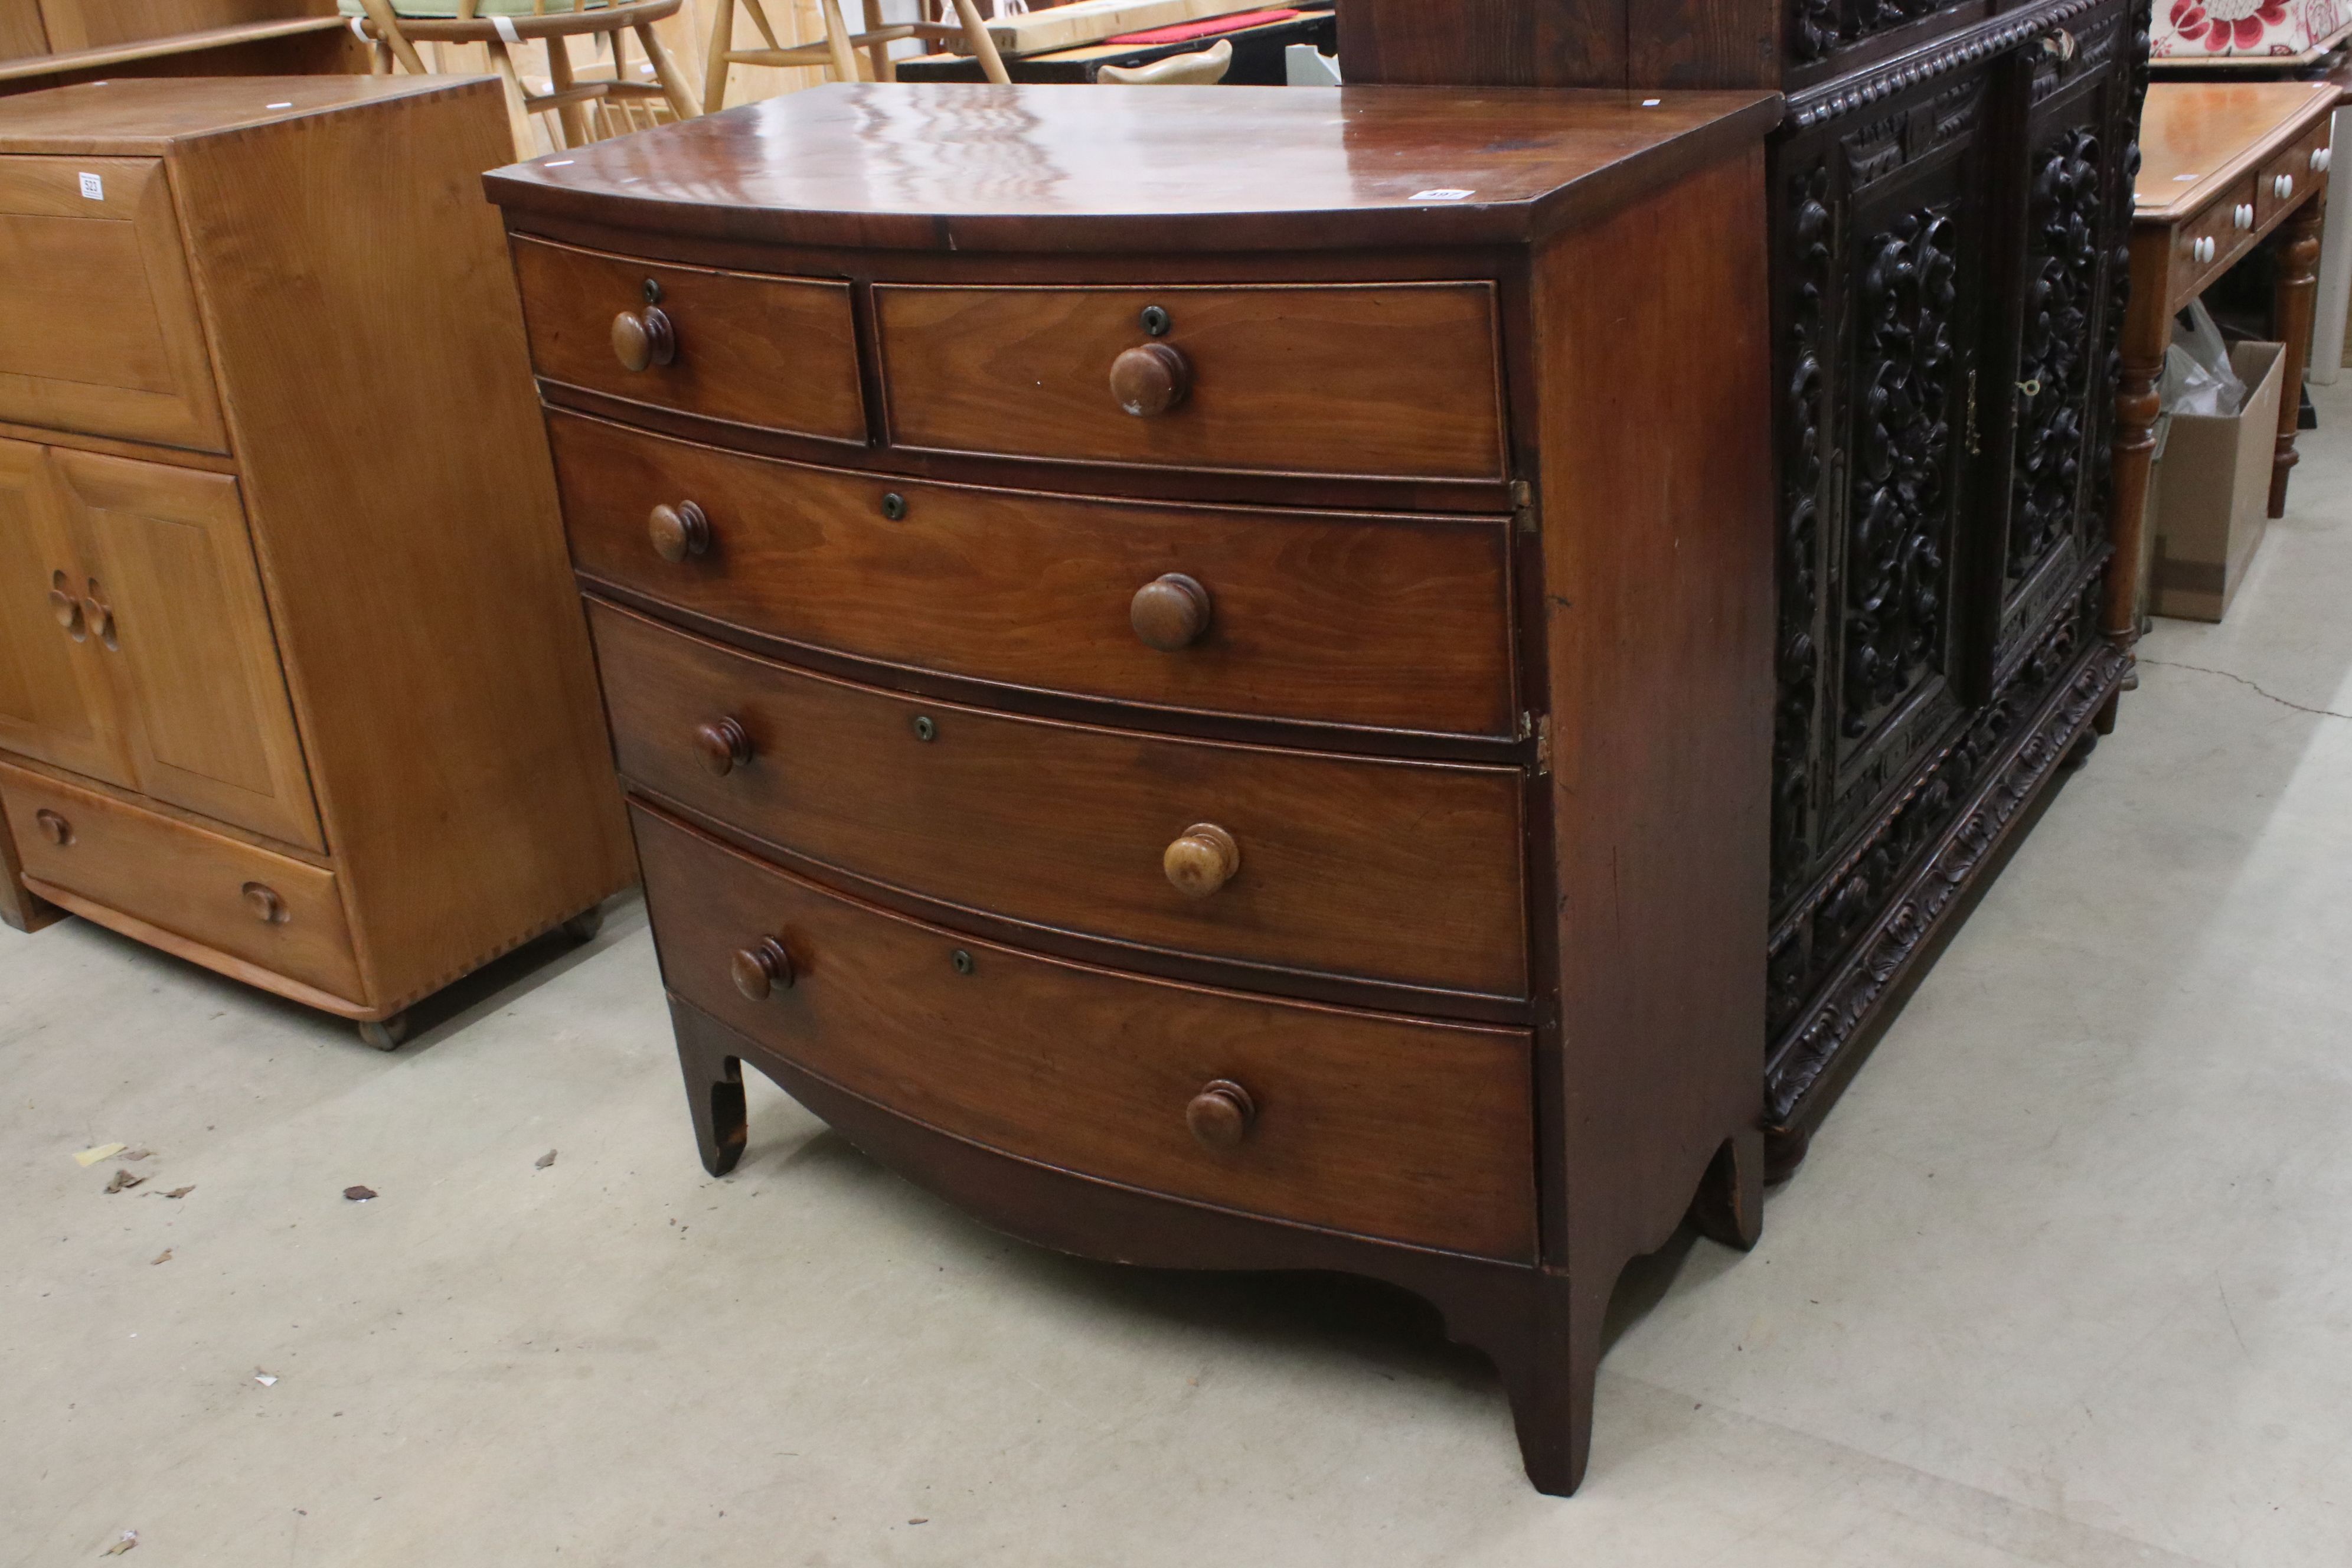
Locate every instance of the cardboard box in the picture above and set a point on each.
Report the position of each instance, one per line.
(2212, 499)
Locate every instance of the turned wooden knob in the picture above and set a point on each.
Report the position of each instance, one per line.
(52, 828)
(761, 968)
(1151, 378)
(1202, 861)
(679, 532)
(724, 744)
(643, 337)
(1221, 1114)
(68, 610)
(266, 906)
(100, 618)
(1170, 612)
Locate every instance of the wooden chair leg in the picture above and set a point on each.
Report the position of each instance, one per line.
(715, 59)
(387, 29)
(577, 131)
(837, 40)
(518, 100)
(884, 67)
(991, 64)
(666, 72)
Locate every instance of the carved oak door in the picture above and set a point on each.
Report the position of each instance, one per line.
(2063, 311)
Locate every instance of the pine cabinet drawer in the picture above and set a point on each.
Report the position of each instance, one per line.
(1383, 380)
(1405, 1128)
(1386, 622)
(748, 348)
(103, 336)
(225, 896)
(1407, 873)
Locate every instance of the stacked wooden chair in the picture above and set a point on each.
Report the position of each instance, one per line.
(836, 51)
(609, 100)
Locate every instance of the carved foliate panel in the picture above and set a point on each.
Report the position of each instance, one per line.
(1806, 466)
(2065, 239)
(1818, 28)
(1898, 541)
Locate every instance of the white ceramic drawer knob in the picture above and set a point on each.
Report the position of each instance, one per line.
(2320, 158)
(2243, 215)
(2286, 187)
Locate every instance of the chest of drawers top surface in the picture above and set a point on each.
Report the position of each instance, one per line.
(950, 166)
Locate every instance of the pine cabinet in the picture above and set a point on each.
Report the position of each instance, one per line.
(291, 680)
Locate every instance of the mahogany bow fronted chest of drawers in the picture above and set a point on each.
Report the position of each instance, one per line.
(1193, 669)
(293, 682)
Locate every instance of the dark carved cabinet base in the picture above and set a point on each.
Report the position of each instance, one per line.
(1950, 207)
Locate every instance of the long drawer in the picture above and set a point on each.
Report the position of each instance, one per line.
(1395, 380)
(748, 348)
(1403, 872)
(1383, 1126)
(1390, 622)
(278, 913)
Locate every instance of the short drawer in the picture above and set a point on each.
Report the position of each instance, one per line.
(2294, 172)
(1402, 872)
(1380, 380)
(748, 348)
(103, 335)
(2212, 242)
(1389, 622)
(1384, 1126)
(279, 914)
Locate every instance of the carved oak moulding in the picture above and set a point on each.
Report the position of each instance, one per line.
(1950, 201)
(1130, 706)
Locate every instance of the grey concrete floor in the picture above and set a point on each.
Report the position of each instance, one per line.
(2067, 1280)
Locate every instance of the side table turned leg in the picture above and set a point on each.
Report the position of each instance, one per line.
(2291, 311)
(2146, 335)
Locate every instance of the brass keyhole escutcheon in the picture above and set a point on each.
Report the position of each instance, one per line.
(926, 728)
(961, 961)
(1156, 320)
(893, 507)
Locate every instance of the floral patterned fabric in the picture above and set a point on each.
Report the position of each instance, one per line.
(2186, 29)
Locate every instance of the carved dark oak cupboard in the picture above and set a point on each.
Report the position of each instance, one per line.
(1950, 194)
(1203, 701)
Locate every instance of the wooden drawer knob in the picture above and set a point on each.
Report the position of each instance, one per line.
(1170, 612)
(1151, 378)
(52, 828)
(1202, 861)
(1221, 1114)
(643, 337)
(724, 744)
(68, 610)
(266, 905)
(679, 532)
(761, 969)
